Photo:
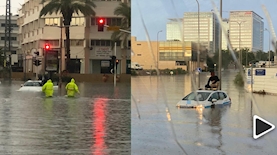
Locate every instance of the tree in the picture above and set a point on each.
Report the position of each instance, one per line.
(123, 10)
(67, 8)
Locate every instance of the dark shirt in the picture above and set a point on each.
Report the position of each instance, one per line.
(213, 78)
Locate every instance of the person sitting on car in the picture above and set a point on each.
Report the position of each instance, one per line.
(214, 81)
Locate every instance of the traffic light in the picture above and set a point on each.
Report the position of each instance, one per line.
(101, 23)
(37, 53)
(113, 61)
(116, 62)
(47, 47)
(37, 62)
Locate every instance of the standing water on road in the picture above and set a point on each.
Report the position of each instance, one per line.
(161, 126)
(95, 122)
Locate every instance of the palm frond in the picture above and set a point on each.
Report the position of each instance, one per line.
(49, 8)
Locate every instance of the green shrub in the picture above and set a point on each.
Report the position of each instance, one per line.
(239, 80)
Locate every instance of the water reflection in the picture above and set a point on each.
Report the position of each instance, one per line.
(222, 130)
(33, 124)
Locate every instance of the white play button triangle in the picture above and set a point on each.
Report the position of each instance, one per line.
(261, 127)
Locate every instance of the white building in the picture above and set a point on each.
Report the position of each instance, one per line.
(174, 29)
(246, 30)
(224, 41)
(208, 26)
(89, 48)
(14, 42)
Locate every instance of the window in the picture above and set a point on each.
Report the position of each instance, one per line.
(202, 96)
(52, 21)
(76, 42)
(78, 21)
(221, 96)
(100, 42)
(12, 38)
(214, 96)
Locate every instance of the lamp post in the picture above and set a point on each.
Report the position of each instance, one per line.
(220, 50)
(268, 47)
(158, 50)
(198, 42)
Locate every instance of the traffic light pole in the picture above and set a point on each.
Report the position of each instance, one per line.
(114, 67)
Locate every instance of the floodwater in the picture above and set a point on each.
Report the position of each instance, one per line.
(158, 127)
(95, 122)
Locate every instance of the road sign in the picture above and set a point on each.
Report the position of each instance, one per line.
(113, 28)
(261, 127)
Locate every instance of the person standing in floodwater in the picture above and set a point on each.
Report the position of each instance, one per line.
(72, 88)
(47, 88)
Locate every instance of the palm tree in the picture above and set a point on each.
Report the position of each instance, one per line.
(123, 10)
(67, 8)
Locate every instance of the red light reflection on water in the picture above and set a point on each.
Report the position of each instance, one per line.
(98, 125)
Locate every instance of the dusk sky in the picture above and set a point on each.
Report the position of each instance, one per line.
(155, 14)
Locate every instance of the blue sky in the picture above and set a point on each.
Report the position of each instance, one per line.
(156, 12)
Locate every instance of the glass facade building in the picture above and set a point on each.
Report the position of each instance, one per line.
(246, 30)
(209, 29)
(174, 29)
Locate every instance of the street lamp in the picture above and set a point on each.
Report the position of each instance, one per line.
(220, 50)
(268, 46)
(239, 23)
(214, 68)
(158, 50)
(198, 48)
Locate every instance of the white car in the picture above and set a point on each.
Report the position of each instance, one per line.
(33, 85)
(206, 99)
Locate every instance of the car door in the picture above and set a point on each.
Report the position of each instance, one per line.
(223, 97)
(215, 96)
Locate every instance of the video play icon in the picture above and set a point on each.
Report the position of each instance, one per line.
(261, 127)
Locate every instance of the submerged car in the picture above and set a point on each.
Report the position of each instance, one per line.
(33, 85)
(204, 98)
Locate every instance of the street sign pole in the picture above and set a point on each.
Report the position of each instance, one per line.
(115, 71)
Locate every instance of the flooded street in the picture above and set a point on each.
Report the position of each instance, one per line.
(95, 122)
(158, 127)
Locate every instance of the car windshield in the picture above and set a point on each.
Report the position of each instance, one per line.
(202, 96)
(32, 84)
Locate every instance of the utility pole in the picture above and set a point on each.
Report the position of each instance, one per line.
(198, 42)
(220, 50)
(7, 46)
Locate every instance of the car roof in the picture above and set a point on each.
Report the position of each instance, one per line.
(210, 91)
(33, 81)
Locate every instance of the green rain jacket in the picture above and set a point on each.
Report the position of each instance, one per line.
(71, 88)
(47, 88)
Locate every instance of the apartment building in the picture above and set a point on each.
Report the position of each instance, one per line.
(13, 39)
(246, 30)
(90, 49)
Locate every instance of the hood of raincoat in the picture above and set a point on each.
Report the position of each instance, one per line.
(49, 80)
(72, 80)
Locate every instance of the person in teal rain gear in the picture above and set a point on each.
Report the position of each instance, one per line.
(72, 88)
(47, 88)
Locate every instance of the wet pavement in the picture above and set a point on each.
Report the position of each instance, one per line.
(95, 122)
(158, 127)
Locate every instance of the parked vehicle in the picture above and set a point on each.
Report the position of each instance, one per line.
(136, 66)
(206, 99)
(33, 85)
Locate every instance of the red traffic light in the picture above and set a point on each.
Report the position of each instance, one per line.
(47, 46)
(101, 21)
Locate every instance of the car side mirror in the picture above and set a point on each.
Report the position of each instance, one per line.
(21, 85)
(214, 100)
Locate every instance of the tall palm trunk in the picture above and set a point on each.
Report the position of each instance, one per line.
(67, 41)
